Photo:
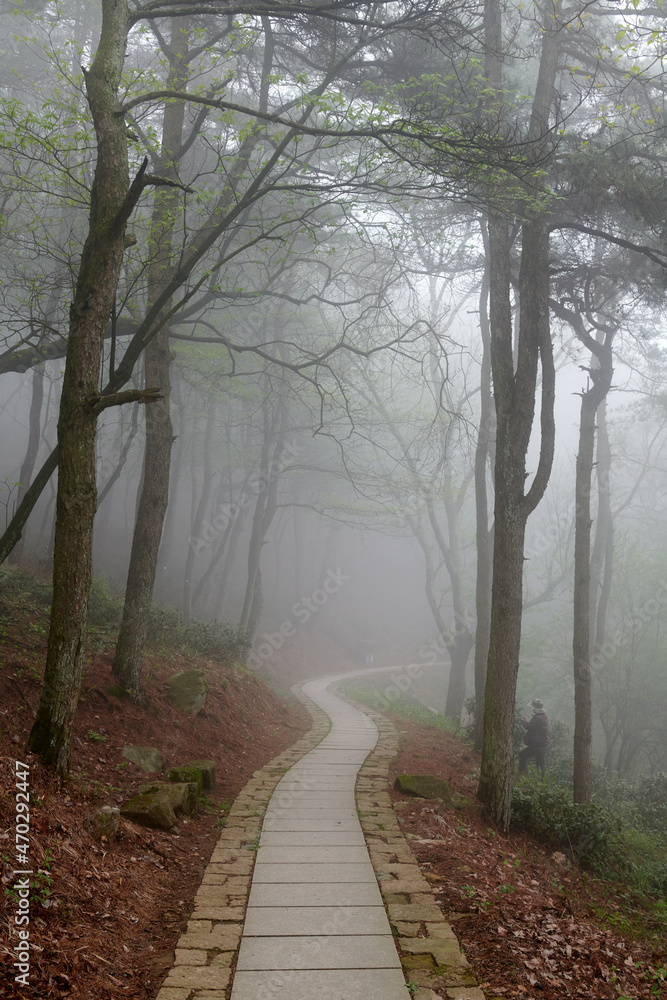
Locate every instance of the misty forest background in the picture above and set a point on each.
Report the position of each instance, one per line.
(351, 308)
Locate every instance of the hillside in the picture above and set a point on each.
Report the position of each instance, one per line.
(532, 923)
(105, 917)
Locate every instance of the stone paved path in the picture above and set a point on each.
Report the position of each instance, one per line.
(310, 919)
(315, 925)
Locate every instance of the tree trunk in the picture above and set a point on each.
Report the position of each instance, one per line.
(94, 298)
(459, 654)
(515, 403)
(515, 390)
(601, 375)
(497, 771)
(34, 434)
(166, 553)
(602, 559)
(202, 507)
(222, 551)
(152, 506)
(581, 601)
(483, 535)
(14, 531)
(463, 640)
(228, 565)
(257, 530)
(265, 510)
(122, 458)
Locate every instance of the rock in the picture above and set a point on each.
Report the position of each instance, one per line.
(426, 786)
(147, 758)
(187, 691)
(207, 768)
(187, 773)
(104, 823)
(182, 795)
(151, 809)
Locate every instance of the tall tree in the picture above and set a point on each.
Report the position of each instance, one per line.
(514, 384)
(152, 506)
(112, 201)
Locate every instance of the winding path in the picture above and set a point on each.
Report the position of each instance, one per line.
(315, 924)
(290, 897)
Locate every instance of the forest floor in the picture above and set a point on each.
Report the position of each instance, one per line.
(532, 924)
(105, 917)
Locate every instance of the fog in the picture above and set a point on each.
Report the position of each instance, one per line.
(327, 368)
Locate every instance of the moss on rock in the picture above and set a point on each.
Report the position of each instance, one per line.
(427, 786)
(186, 691)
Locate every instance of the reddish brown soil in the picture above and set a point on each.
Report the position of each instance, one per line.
(108, 926)
(523, 914)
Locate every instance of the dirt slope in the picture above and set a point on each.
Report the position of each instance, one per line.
(528, 920)
(105, 918)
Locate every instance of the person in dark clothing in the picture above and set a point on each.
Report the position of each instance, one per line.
(536, 739)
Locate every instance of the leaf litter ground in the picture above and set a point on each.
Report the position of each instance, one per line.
(524, 915)
(105, 917)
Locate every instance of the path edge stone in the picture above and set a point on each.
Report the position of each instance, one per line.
(428, 948)
(206, 951)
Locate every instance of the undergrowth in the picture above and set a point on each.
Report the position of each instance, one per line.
(407, 708)
(24, 594)
(620, 836)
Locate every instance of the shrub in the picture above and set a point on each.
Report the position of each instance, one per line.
(641, 860)
(589, 833)
(164, 627)
(226, 643)
(649, 796)
(105, 609)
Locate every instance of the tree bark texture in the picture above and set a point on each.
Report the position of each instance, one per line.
(91, 308)
(601, 373)
(483, 449)
(515, 404)
(154, 496)
(602, 559)
(34, 434)
(514, 365)
(202, 506)
(264, 512)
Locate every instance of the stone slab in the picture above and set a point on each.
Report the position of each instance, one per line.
(314, 873)
(350, 744)
(315, 894)
(372, 952)
(332, 816)
(312, 855)
(332, 984)
(416, 911)
(313, 838)
(317, 783)
(270, 921)
(338, 756)
(443, 951)
(303, 799)
(310, 821)
(203, 977)
(323, 770)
